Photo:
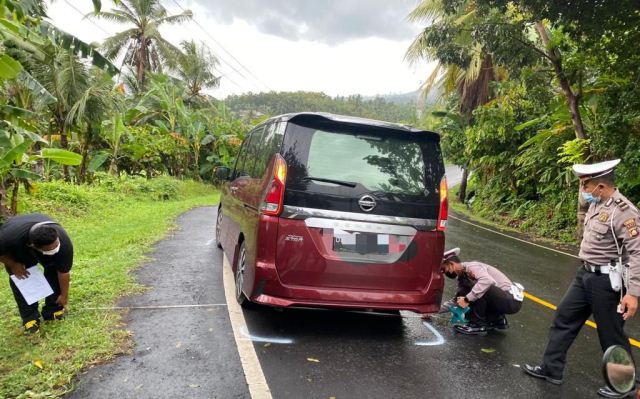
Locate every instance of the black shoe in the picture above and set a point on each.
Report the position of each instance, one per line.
(539, 372)
(500, 323)
(57, 315)
(609, 393)
(31, 327)
(470, 329)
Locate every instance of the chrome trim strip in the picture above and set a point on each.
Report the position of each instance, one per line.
(364, 227)
(294, 212)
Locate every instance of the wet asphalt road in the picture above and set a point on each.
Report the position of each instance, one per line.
(190, 352)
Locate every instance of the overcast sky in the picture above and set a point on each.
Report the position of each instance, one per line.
(339, 47)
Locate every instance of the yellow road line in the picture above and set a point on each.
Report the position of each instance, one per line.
(554, 307)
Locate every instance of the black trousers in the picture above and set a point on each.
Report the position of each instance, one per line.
(30, 312)
(494, 304)
(589, 293)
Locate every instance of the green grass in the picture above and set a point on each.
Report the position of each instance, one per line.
(503, 223)
(112, 226)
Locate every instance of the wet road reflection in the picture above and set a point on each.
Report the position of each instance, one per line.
(375, 355)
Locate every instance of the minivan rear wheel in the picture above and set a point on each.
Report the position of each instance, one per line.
(218, 224)
(241, 265)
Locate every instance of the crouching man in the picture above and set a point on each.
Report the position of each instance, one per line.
(488, 293)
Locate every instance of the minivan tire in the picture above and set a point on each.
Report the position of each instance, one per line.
(238, 276)
(218, 223)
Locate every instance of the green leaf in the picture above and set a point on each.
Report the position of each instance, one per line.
(16, 153)
(24, 174)
(9, 68)
(97, 5)
(61, 156)
(97, 161)
(209, 138)
(527, 124)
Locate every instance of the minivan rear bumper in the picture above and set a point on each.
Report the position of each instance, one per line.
(271, 292)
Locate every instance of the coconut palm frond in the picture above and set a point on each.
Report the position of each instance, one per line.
(427, 11)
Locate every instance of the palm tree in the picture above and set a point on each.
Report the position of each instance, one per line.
(470, 79)
(143, 47)
(92, 107)
(196, 68)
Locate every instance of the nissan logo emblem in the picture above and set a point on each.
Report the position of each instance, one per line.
(367, 203)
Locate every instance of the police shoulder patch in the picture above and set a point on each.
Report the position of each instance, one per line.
(631, 226)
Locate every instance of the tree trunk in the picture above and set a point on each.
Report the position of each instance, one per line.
(573, 100)
(14, 196)
(462, 194)
(85, 155)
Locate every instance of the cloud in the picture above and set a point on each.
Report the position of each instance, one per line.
(328, 21)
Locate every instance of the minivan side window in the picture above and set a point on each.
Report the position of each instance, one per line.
(270, 145)
(242, 155)
(252, 150)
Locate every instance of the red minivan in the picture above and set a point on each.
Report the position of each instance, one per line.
(326, 210)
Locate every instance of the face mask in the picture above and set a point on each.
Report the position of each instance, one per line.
(450, 274)
(51, 251)
(589, 197)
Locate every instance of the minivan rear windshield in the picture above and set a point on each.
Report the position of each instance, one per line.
(378, 160)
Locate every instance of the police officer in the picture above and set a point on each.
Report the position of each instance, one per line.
(27, 240)
(486, 290)
(607, 283)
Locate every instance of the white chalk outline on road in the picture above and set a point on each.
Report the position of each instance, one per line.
(514, 238)
(439, 338)
(204, 305)
(257, 338)
(258, 387)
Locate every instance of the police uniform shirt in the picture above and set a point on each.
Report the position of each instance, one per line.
(598, 246)
(14, 242)
(484, 276)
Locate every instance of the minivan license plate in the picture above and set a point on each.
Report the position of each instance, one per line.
(359, 242)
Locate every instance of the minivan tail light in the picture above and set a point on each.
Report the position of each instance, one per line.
(443, 215)
(272, 204)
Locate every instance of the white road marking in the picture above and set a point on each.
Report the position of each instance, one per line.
(257, 338)
(258, 387)
(205, 305)
(513, 238)
(439, 338)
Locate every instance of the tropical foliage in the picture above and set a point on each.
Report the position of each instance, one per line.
(65, 115)
(563, 89)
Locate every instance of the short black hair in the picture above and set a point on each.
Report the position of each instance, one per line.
(452, 259)
(607, 179)
(43, 235)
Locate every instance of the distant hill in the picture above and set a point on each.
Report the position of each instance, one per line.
(251, 106)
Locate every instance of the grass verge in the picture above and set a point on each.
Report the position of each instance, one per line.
(568, 243)
(113, 226)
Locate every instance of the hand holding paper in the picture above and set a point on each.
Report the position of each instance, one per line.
(34, 287)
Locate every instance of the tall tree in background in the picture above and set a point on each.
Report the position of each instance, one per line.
(196, 66)
(463, 66)
(143, 46)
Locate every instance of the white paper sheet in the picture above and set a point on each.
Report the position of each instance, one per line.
(35, 287)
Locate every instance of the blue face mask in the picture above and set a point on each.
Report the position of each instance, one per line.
(589, 197)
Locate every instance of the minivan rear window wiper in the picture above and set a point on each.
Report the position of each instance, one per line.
(339, 182)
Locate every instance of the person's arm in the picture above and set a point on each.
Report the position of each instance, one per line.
(628, 232)
(63, 280)
(483, 283)
(18, 269)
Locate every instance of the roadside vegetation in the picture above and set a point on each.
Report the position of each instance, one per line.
(113, 224)
(527, 88)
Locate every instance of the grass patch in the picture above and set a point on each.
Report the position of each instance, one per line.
(511, 224)
(113, 226)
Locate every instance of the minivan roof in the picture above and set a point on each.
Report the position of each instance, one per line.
(352, 120)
